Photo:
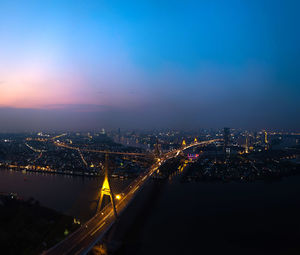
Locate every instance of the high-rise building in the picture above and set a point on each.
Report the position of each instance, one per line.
(266, 140)
(119, 135)
(255, 137)
(246, 144)
(226, 137)
(266, 137)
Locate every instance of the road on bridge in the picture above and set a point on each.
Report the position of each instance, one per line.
(83, 240)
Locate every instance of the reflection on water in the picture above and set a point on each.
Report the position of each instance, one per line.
(74, 195)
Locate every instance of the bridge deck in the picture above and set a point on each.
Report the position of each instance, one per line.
(83, 240)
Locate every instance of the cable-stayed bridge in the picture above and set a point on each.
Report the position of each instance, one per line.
(84, 239)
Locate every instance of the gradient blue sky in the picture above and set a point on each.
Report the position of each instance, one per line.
(85, 64)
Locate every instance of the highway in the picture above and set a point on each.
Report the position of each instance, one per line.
(61, 144)
(82, 241)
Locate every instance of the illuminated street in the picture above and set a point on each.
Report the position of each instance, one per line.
(83, 240)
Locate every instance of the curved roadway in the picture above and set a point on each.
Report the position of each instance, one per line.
(83, 240)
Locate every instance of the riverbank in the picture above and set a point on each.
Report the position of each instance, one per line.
(70, 195)
(25, 169)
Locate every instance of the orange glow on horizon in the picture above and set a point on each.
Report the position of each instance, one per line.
(43, 87)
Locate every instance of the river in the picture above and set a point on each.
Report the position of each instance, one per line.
(184, 218)
(219, 218)
(72, 195)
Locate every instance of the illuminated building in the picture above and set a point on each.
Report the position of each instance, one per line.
(266, 140)
(246, 145)
(266, 137)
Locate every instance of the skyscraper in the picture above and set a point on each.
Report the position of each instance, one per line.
(266, 140)
(246, 144)
(226, 137)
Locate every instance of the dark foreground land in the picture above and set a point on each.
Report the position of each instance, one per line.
(28, 228)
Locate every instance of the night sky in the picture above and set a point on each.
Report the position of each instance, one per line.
(144, 64)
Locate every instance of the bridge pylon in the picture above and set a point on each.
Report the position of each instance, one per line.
(195, 140)
(106, 188)
(183, 143)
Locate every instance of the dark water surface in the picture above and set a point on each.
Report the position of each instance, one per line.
(220, 218)
(184, 218)
(73, 195)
